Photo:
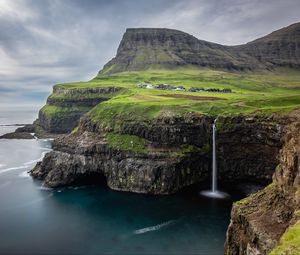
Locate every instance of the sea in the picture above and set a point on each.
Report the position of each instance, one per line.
(92, 219)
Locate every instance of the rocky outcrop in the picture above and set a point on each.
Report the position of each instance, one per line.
(166, 167)
(64, 107)
(30, 131)
(17, 135)
(144, 48)
(258, 222)
(60, 123)
(85, 91)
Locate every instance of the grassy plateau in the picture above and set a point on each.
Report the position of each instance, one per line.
(261, 93)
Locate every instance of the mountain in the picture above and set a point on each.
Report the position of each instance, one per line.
(143, 48)
(280, 48)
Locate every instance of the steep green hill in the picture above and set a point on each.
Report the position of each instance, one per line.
(144, 48)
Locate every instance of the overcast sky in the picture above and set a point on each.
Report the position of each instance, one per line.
(44, 42)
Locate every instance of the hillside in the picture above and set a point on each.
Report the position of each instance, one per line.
(280, 48)
(144, 48)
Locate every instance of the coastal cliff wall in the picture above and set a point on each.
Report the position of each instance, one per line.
(64, 107)
(173, 153)
(259, 221)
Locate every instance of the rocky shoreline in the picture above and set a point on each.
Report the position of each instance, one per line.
(30, 131)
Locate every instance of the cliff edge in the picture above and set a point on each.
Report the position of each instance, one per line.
(259, 221)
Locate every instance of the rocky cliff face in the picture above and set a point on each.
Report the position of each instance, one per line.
(167, 165)
(143, 48)
(159, 171)
(258, 222)
(64, 107)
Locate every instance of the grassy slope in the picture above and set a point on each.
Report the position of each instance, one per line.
(57, 111)
(262, 93)
(289, 242)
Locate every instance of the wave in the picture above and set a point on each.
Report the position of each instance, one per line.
(46, 139)
(153, 228)
(36, 160)
(24, 165)
(43, 187)
(12, 168)
(24, 174)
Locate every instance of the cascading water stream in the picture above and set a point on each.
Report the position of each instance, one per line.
(214, 183)
(214, 160)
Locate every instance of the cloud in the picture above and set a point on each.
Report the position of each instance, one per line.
(52, 41)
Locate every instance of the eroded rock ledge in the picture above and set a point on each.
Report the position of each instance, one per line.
(258, 222)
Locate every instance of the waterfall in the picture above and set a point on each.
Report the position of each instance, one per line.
(214, 192)
(214, 185)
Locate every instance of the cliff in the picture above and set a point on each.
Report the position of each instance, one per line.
(64, 107)
(259, 221)
(165, 156)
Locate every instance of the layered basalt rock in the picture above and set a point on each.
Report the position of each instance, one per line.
(71, 104)
(258, 222)
(158, 172)
(248, 147)
(165, 167)
(60, 124)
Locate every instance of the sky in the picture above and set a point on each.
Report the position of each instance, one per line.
(45, 42)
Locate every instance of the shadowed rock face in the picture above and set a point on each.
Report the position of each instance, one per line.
(65, 122)
(143, 48)
(258, 222)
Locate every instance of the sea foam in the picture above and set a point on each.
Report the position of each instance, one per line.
(153, 228)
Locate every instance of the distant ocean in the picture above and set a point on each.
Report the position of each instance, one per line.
(20, 115)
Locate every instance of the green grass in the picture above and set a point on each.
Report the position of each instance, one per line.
(137, 144)
(290, 242)
(126, 142)
(262, 93)
(56, 111)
